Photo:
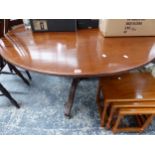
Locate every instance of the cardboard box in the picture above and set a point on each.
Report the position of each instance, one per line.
(127, 27)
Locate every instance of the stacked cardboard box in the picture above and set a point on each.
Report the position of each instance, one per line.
(127, 27)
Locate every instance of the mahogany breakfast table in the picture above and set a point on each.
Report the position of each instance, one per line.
(81, 54)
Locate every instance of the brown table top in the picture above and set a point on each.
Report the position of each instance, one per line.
(82, 53)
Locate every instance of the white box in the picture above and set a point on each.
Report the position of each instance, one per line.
(127, 27)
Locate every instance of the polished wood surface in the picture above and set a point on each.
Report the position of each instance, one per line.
(129, 86)
(81, 53)
(128, 94)
(136, 88)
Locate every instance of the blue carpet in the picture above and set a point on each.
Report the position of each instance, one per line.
(42, 106)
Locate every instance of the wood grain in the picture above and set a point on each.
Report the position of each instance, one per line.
(85, 53)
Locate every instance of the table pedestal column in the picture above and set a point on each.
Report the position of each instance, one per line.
(68, 105)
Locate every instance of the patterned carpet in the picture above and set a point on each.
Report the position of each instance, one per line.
(42, 107)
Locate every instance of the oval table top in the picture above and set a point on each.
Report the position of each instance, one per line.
(84, 53)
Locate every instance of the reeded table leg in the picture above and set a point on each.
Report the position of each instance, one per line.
(68, 105)
(19, 74)
(7, 94)
(28, 74)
